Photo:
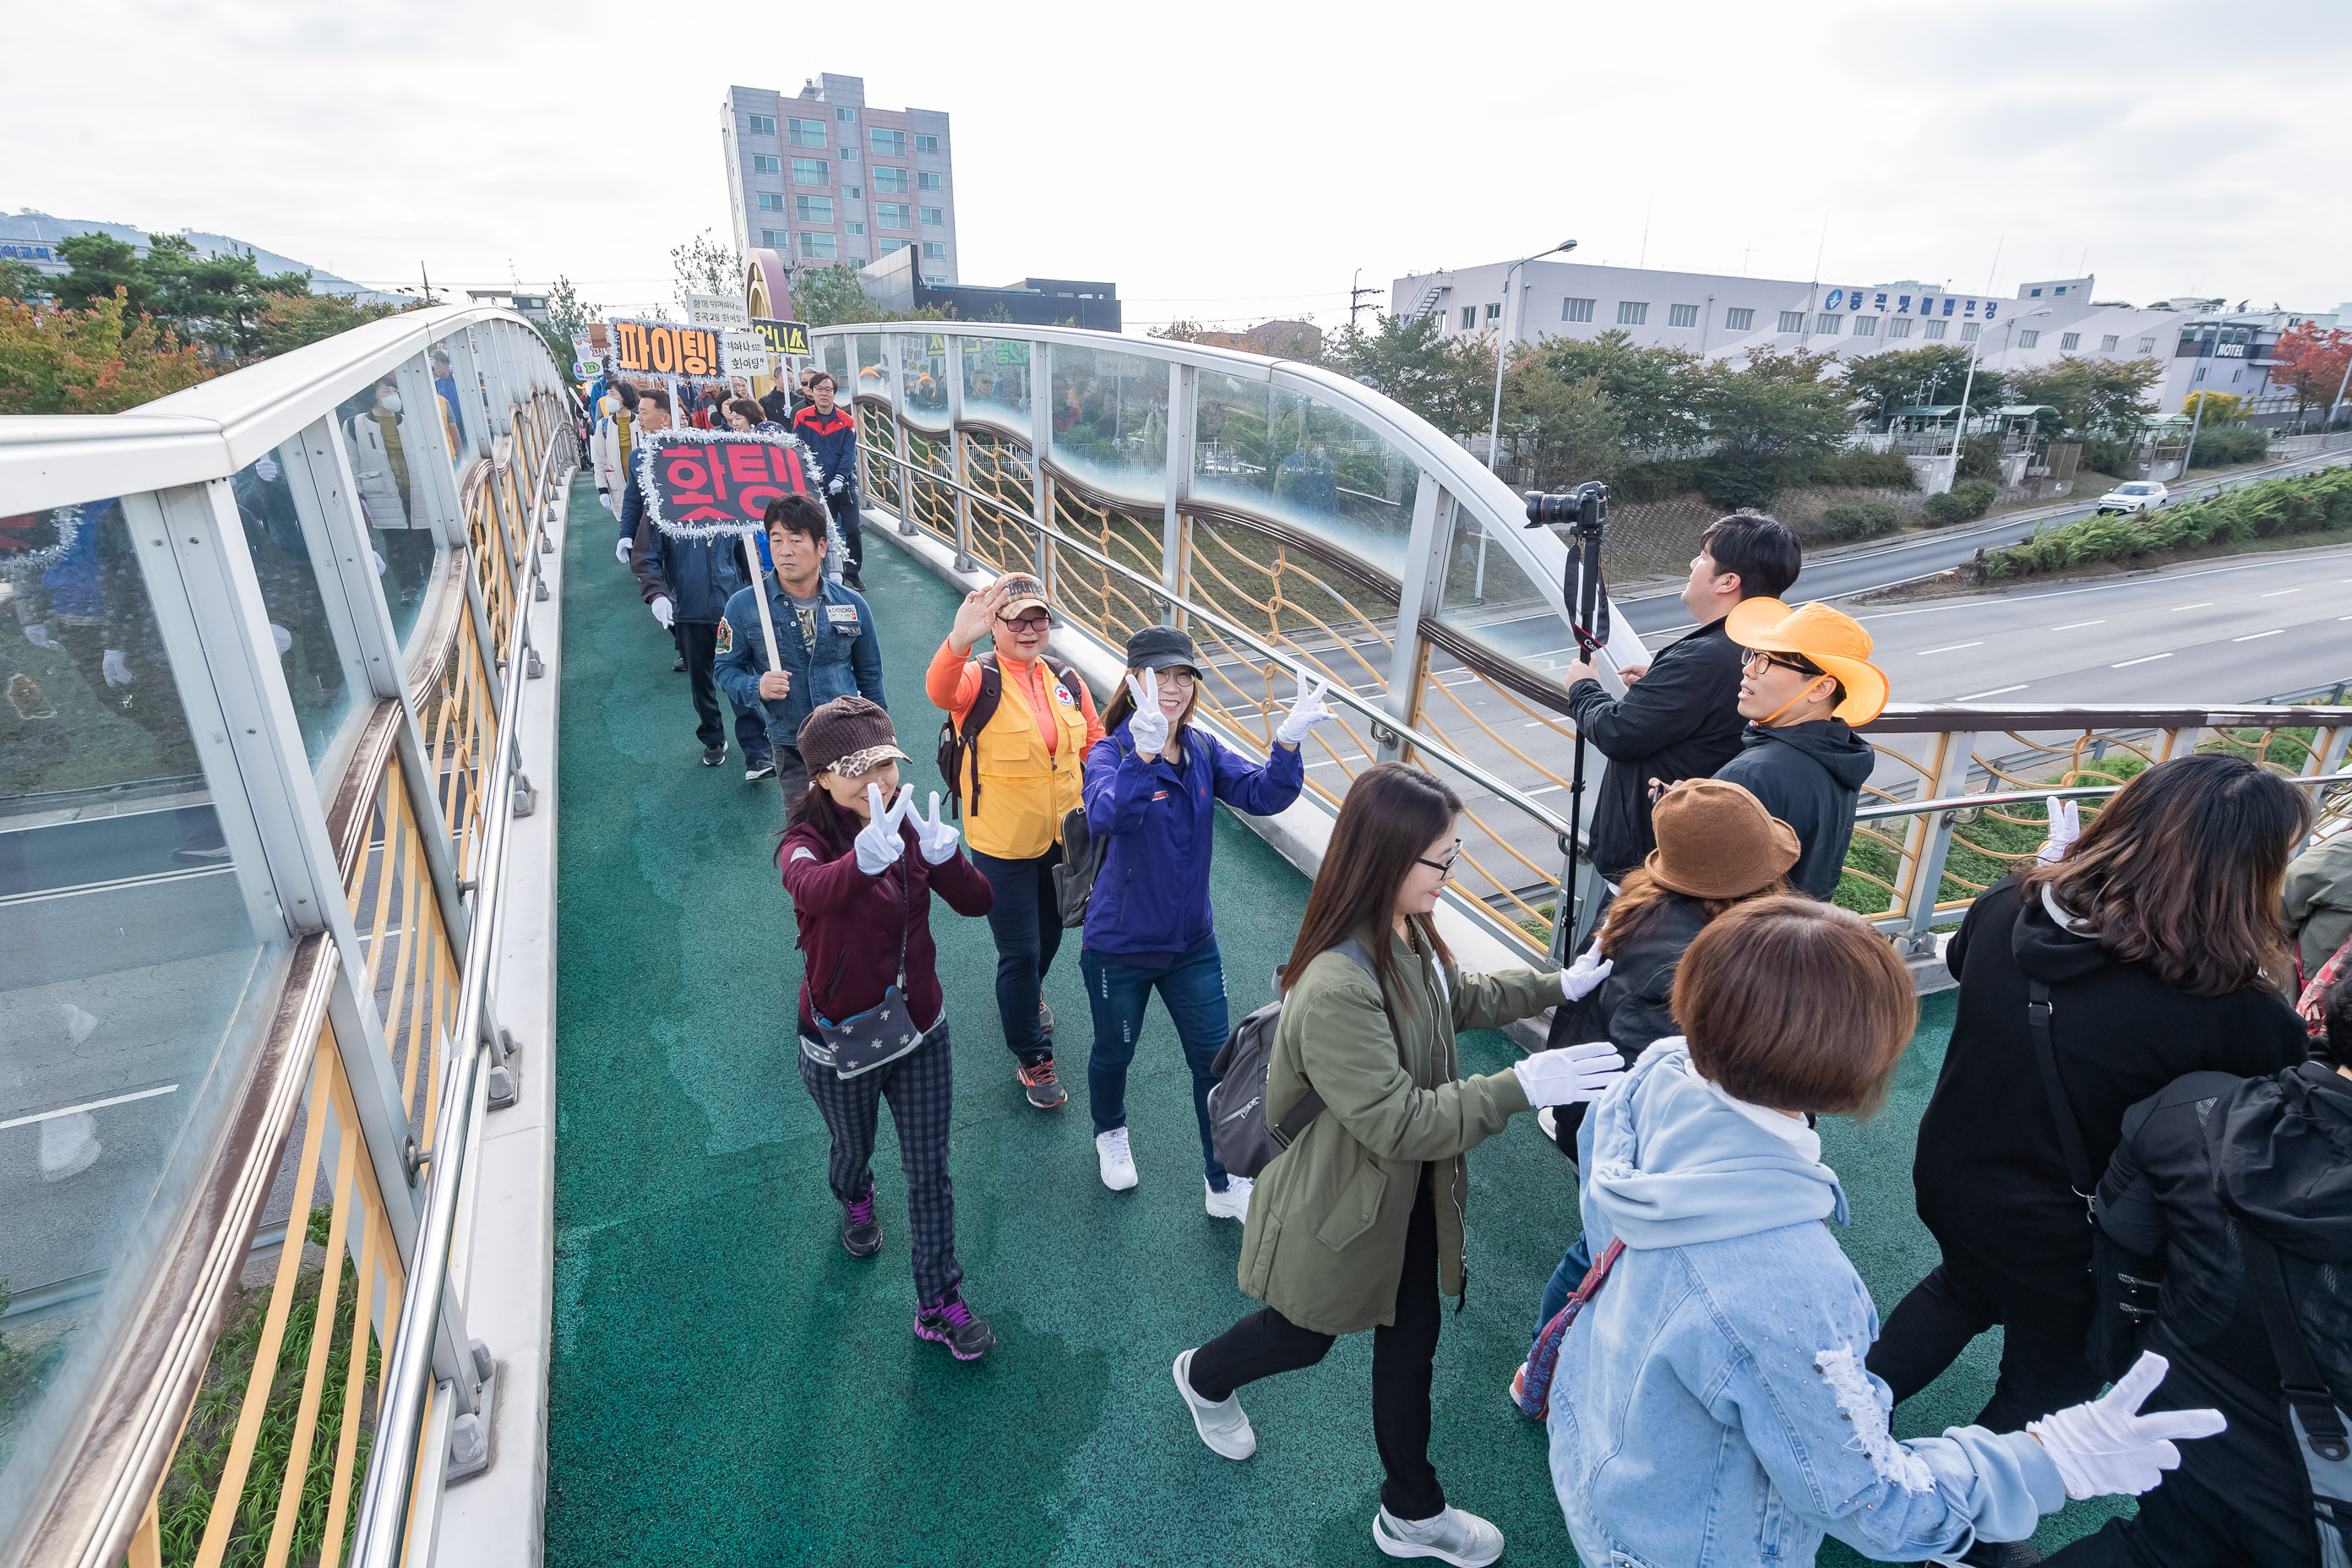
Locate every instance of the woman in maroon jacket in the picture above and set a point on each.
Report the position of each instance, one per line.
(860, 865)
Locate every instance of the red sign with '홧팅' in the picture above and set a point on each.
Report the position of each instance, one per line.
(710, 481)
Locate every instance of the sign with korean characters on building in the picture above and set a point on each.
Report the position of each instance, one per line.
(701, 483)
(717, 310)
(789, 337)
(747, 353)
(664, 348)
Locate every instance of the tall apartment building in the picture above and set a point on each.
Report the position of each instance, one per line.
(820, 176)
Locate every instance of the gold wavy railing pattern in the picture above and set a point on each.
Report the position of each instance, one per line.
(877, 442)
(999, 470)
(931, 487)
(412, 963)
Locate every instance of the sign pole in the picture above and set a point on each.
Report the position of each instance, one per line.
(760, 597)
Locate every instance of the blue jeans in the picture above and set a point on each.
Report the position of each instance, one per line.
(1564, 1281)
(1117, 991)
(1027, 925)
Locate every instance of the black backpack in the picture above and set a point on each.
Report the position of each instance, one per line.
(1245, 1141)
(955, 746)
(1082, 859)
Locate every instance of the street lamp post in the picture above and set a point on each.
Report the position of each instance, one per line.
(1961, 421)
(1495, 420)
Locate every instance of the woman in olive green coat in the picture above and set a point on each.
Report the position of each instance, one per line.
(1359, 1223)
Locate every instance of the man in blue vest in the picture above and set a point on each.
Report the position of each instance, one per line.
(830, 433)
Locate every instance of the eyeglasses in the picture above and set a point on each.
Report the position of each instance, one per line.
(1178, 678)
(1442, 868)
(1757, 657)
(1035, 623)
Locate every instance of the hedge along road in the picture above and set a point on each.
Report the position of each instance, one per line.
(1660, 616)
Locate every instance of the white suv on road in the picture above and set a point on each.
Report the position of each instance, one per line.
(2138, 496)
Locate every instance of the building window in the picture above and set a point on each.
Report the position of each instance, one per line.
(2200, 375)
(1632, 312)
(2028, 338)
(2235, 376)
(855, 228)
(812, 209)
(1495, 312)
(854, 193)
(926, 181)
(1949, 302)
(1469, 317)
(1934, 330)
(2107, 344)
(770, 202)
(934, 280)
(2070, 341)
(773, 239)
(1865, 326)
(892, 247)
(934, 251)
(1898, 328)
(2035, 295)
(892, 215)
(927, 144)
(817, 246)
(1828, 324)
(933, 217)
(2148, 345)
(888, 179)
(768, 163)
(846, 116)
(1576, 310)
(1967, 332)
(808, 132)
(1738, 320)
(849, 154)
(764, 125)
(886, 143)
(1682, 315)
(811, 172)
(1792, 320)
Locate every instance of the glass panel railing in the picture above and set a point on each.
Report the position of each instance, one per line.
(390, 445)
(996, 380)
(456, 431)
(134, 979)
(288, 536)
(833, 355)
(873, 373)
(923, 379)
(1488, 597)
(1305, 462)
(1110, 420)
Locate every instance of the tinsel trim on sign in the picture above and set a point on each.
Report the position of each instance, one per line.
(662, 439)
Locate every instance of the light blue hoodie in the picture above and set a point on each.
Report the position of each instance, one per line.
(1711, 1406)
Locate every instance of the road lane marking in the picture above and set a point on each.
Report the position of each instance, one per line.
(1547, 789)
(2151, 659)
(2278, 593)
(2200, 604)
(88, 1105)
(2251, 636)
(1996, 692)
(1949, 648)
(2070, 625)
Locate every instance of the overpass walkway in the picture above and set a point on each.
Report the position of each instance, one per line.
(728, 1386)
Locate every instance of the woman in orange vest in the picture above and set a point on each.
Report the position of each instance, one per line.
(1026, 721)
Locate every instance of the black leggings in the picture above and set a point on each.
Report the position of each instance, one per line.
(2044, 1311)
(1403, 1355)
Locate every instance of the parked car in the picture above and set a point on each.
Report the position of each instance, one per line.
(2137, 496)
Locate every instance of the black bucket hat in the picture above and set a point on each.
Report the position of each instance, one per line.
(1162, 648)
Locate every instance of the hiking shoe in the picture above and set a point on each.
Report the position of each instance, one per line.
(1518, 1387)
(1044, 1017)
(861, 1233)
(677, 664)
(952, 1324)
(762, 768)
(1222, 1424)
(854, 581)
(1118, 1164)
(1462, 1539)
(1038, 1080)
(714, 755)
(1231, 1203)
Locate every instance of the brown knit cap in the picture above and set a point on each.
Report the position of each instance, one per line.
(1716, 841)
(847, 736)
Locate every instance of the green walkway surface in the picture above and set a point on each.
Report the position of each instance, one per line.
(729, 1388)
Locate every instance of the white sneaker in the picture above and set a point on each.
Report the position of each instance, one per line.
(1462, 1539)
(1549, 1124)
(1223, 1426)
(1118, 1164)
(1231, 1203)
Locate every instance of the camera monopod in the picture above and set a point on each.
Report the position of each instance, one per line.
(1585, 512)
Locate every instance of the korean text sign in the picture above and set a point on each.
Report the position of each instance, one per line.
(700, 483)
(664, 348)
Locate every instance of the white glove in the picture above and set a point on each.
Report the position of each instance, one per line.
(1570, 1073)
(37, 633)
(1149, 728)
(2065, 827)
(663, 610)
(282, 637)
(115, 671)
(380, 567)
(1588, 970)
(834, 488)
(1307, 711)
(605, 500)
(621, 551)
(936, 838)
(878, 844)
(2107, 1447)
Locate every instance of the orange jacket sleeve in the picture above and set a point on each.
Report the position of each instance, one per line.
(952, 682)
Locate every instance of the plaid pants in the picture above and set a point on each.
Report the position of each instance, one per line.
(919, 1089)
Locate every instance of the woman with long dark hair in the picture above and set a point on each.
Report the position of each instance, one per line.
(861, 865)
(1359, 1223)
(2153, 948)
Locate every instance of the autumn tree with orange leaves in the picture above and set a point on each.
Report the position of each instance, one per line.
(2311, 362)
(101, 360)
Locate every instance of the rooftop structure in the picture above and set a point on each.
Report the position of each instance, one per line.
(821, 177)
(894, 284)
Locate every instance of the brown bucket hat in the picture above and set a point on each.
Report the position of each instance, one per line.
(1716, 841)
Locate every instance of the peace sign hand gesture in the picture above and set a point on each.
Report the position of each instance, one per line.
(1306, 712)
(1149, 728)
(878, 844)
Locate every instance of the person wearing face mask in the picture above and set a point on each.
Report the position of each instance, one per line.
(1808, 681)
(830, 433)
(1152, 787)
(608, 448)
(861, 865)
(379, 470)
(1023, 722)
(1361, 1222)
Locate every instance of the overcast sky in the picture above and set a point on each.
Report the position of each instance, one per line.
(1227, 162)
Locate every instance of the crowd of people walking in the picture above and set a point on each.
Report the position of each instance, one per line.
(2136, 1160)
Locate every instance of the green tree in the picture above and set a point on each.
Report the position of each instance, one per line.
(1654, 390)
(1878, 385)
(217, 299)
(97, 265)
(2217, 409)
(2100, 399)
(288, 322)
(567, 313)
(56, 359)
(1413, 363)
(703, 266)
(22, 280)
(833, 295)
(1561, 432)
(1772, 418)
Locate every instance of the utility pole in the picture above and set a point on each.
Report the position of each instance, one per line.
(1355, 300)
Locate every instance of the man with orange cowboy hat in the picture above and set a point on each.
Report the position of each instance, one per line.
(1808, 681)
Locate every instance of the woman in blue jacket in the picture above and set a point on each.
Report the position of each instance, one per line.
(1151, 788)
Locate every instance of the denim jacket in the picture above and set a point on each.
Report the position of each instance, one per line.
(848, 657)
(1711, 1407)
